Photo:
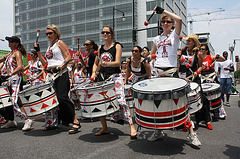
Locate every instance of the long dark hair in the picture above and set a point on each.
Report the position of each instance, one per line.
(95, 46)
(22, 49)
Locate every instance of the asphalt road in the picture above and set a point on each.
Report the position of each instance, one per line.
(220, 143)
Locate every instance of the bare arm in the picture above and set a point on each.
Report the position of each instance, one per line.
(128, 72)
(154, 49)
(19, 68)
(65, 52)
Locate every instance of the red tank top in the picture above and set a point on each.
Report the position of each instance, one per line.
(207, 63)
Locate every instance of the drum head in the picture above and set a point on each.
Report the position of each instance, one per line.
(193, 85)
(210, 87)
(160, 84)
(160, 88)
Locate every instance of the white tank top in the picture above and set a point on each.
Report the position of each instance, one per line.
(54, 55)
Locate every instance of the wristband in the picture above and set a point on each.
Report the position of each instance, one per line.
(37, 48)
(217, 56)
(197, 72)
(108, 65)
(159, 10)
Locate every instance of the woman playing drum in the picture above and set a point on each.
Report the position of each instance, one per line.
(138, 66)
(12, 69)
(191, 65)
(208, 74)
(165, 46)
(107, 65)
(57, 57)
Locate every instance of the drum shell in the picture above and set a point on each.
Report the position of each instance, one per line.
(5, 98)
(194, 98)
(161, 109)
(212, 91)
(99, 100)
(38, 99)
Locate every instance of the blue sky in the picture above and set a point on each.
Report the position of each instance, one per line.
(222, 32)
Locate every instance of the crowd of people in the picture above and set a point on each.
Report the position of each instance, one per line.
(192, 63)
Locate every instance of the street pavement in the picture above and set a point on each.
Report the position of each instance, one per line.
(220, 143)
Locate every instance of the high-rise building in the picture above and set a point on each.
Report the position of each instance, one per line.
(85, 19)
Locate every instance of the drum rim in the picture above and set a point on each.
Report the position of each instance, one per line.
(38, 87)
(107, 84)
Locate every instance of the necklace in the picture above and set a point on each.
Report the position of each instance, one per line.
(136, 61)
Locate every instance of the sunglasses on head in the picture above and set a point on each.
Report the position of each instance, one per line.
(166, 21)
(86, 44)
(49, 33)
(135, 51)
(105, 32)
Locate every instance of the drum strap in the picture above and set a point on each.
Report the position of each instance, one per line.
(210, 77)
(167, 73)
(56, 75)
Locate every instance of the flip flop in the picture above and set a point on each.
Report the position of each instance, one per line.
(74, 130)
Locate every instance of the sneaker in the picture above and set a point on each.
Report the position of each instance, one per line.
(156, 135)
(9, 124)
(27, 125)
(194, 139)
(209, 126)
(227, 104)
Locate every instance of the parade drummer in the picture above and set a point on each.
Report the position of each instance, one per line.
(32, 69)
(87, 63)
(191, 65)
(12, 68)
(109, 64)
(57, 58)
(165, 47)
(208, 70)
(138, 65)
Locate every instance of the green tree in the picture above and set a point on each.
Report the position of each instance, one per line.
(237, 74)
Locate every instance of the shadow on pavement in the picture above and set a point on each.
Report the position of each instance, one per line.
(232, 152)
(114, 135)
(165, 146)
(41, 133)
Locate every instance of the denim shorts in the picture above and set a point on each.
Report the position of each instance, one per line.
(226, 85)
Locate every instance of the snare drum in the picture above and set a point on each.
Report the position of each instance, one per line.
(194, 98)
(213, 93)
(38, 99)
(128, 95)
(98, 99)
(5, 98)
(161, 103)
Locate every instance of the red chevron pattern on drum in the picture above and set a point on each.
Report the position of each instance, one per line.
(176, 101)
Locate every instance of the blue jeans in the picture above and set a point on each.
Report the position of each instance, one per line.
(226, 85)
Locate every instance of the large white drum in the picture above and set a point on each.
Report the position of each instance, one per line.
(98, 99)
(194, 98)
(5, 98)
(161, 103)
(38, 99)
(213, 93)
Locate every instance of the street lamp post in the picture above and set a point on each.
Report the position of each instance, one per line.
(123, 16)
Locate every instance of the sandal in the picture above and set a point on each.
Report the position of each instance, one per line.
(74, 130)
(50, 128)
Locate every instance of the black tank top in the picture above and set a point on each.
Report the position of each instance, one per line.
(109, 56)
(90, 62)
(142, 70)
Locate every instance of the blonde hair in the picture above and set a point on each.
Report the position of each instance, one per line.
(163, 16)
(55, 29)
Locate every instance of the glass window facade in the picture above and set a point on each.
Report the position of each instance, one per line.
(83, 19)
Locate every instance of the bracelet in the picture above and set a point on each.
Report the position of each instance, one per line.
(108, 65)
(197, 72)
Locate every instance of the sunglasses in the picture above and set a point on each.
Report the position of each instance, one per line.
(105, 32)
(202, 49)
(166, 21)
(49, 33)
(86, 44)
(135, 51)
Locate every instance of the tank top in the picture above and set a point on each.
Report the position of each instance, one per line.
(54, 55)
(187, 59)
(89, 61)
(109, 56)
(10, 64)
(140, 71)
(206, 63)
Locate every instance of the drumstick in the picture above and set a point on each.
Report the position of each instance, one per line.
(180, 38)
(188, 66)
(106, 96)
(96, 53)
(147, 21)
(78, 43)
(38, 31)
